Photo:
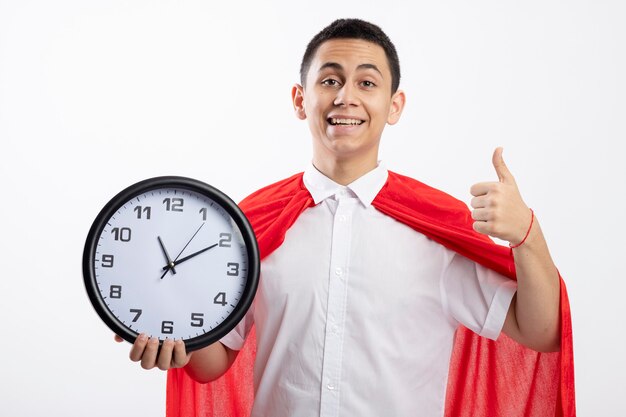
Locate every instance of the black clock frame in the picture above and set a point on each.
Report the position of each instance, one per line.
(189, 184)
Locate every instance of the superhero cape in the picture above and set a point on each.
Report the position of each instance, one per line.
(487, 378)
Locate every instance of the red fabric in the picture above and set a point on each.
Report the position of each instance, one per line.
(487, 378)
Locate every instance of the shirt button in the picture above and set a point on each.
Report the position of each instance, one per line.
(330, 386)
(334, 328)
(338, 272)
(342, 218)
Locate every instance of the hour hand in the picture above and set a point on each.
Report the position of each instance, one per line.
(180, 261)
(170, 263)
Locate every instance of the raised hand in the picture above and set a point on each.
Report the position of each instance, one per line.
(499, 210)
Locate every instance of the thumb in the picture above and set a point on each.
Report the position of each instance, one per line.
(504, 175)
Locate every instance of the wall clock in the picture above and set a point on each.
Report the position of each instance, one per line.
(171, 257)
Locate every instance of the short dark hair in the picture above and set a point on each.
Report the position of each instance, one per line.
(353, 29)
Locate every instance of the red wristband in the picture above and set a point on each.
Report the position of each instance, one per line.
(532, 218)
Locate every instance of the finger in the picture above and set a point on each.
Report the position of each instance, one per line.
(482, 188)
(180, 357)
(164, 360)
(148, 360)
(481, 227)
(481, 214)
(118, 339)
(479, 202)
(504, 175)
(136, 352)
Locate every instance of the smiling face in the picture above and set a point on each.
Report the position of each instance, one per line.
(347, 101)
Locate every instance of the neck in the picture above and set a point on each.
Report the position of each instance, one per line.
(345, 171)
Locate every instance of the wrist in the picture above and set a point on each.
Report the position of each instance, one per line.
(513, 245)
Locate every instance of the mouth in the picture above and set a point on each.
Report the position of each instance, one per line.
(335, 121)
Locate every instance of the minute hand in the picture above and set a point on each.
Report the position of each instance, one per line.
(180, 261)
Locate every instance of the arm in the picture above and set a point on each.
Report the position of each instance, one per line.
(533, 318)
(211, 362)
(499, 211)
(203, 365)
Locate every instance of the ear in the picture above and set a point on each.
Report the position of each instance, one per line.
(297, 97)
(397, 105)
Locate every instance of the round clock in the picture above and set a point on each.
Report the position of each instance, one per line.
(171, 257)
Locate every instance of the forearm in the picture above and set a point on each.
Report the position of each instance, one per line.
(499, 211)
(211, 362)
(536, 305)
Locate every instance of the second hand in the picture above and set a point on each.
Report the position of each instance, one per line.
(181, 252)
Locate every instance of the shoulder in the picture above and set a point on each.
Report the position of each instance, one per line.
(410, 191)
(276, 191)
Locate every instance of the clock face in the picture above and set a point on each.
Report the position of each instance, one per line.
(173, 258)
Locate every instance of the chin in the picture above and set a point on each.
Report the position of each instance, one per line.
(348, 151)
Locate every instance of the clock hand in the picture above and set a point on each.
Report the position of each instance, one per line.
(180, 261)
(167, 256)
(181, 252)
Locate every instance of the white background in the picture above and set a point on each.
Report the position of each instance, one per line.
(95, 96)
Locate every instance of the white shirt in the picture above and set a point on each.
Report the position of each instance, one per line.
(356, 312)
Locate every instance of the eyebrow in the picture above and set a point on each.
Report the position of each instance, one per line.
(337, 66)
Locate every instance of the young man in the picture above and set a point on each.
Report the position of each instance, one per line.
(365, 275)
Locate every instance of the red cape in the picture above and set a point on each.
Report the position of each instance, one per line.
(487, 378)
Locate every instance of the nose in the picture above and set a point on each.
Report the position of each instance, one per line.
(347, 95)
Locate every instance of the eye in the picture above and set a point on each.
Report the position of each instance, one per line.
(330, 82)
(368, 84)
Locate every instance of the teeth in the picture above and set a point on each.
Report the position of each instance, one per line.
(348, 122)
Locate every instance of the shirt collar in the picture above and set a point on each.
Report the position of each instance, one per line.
(365, 187)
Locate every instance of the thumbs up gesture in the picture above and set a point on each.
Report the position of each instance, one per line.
(498, 208)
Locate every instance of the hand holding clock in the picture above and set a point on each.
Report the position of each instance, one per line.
(203, 365)
(213, 360)
(172, 353)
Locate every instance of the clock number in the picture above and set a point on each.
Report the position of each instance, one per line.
(203, 211)
(197, 319)
(220, 299)
(173, 204)
(137, 313)
(225, 239)
(122, 234)
(115, 291)
(233, 269)
(167, 327)
(144, 210)
(107, 261)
